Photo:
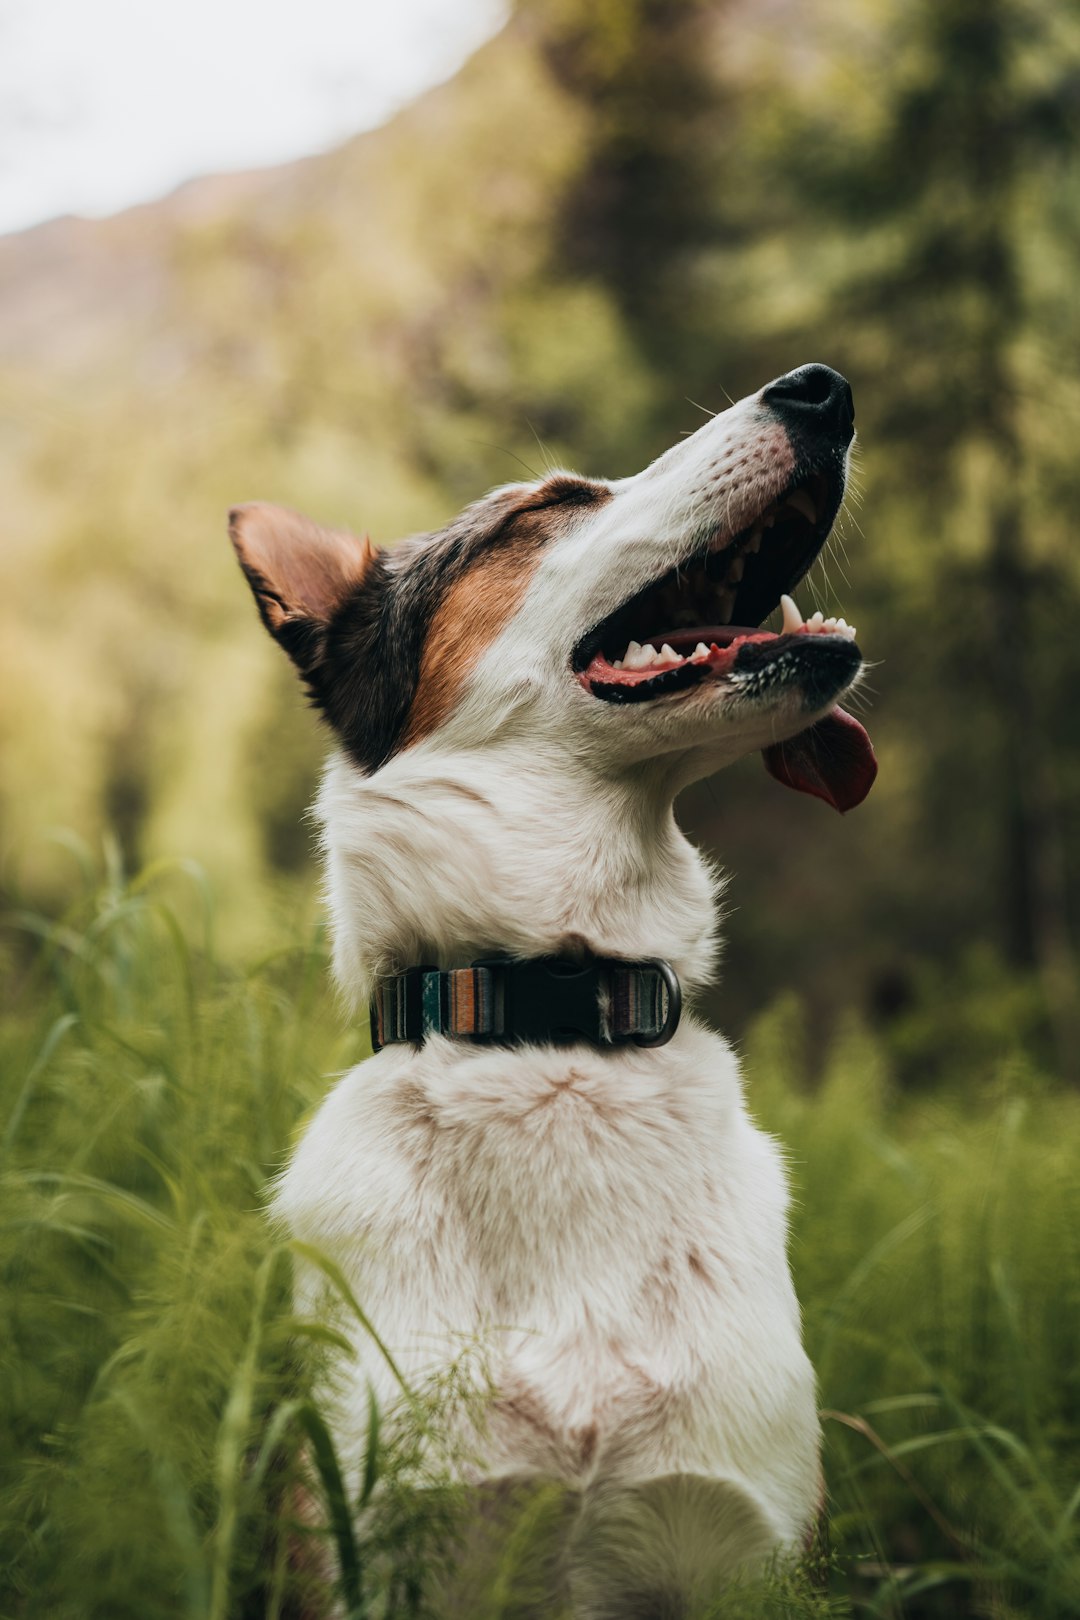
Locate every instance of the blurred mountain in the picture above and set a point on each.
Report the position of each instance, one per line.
(72, 289)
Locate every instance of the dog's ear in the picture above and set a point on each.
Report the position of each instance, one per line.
(301, 574)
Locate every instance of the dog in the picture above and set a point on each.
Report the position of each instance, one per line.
(540, 1155)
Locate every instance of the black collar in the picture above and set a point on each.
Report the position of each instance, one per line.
(604, 1001)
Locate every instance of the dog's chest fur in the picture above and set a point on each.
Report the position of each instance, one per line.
(610, 1226)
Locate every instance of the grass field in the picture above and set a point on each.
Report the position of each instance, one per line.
(155, 1389)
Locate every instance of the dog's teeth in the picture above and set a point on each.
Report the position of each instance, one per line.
(829, 624)
(735, 572)
(816, 620)
(618, 664)
(669, 654)
(637, 657)
(793, 619)
(768, 520)
(727, 605)
(802, 502)
(700, 651)
(754, 542)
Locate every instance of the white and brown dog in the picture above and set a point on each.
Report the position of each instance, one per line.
(516, 701)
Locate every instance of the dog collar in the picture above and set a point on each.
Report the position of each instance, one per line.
(604, 1001)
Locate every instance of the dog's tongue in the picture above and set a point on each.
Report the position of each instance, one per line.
(834, 760)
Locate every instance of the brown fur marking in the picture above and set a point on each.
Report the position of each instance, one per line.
(474, 611)
(478, 606)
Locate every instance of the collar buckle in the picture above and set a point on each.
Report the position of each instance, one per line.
(549, 998)
(670, 980)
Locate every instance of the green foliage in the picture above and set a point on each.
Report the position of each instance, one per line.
(160, 1450)
(148, 1094)
(156, 1410)
(937, 1256)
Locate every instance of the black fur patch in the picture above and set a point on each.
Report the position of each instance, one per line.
(366, 679)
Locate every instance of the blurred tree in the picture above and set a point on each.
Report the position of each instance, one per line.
(647, 199)
(979, 101)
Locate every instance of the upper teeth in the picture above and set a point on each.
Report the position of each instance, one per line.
(793, 620)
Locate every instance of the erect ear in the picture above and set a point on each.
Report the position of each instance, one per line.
(300, 574)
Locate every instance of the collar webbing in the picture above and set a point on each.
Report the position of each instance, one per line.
(605, 1001)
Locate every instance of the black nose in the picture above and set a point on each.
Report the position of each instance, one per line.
(814, 397)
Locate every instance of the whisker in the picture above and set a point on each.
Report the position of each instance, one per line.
(486, 444)
(548, 460)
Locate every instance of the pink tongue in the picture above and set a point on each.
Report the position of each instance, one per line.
(834, 760)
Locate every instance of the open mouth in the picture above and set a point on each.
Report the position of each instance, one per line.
(700, 622)
(694, 622)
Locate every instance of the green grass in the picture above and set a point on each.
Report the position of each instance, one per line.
(155, 1390)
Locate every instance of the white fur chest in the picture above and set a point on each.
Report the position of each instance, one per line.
(611, 1226)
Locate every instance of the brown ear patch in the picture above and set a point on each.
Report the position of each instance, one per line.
(473, 612)
(300, 574)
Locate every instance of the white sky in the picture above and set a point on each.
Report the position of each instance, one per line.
(104, 103)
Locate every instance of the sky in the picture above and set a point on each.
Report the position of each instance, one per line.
(106, 103)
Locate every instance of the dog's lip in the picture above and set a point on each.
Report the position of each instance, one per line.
(742, 573)
(715, 658)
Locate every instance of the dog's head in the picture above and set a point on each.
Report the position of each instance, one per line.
(614, 622)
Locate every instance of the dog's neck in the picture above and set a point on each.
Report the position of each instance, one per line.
(442, 857)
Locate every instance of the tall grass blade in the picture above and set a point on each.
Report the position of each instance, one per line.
(336, 1276)
(44, 1057)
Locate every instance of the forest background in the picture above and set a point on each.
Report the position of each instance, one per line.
(616, 217)
(620, 214)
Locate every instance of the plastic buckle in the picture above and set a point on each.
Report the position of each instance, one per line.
(674, 1004)
(548, 999)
